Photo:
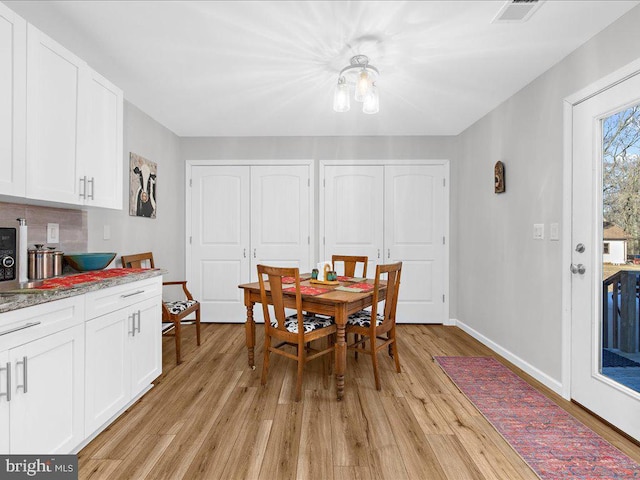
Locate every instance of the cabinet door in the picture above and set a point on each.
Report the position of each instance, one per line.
(414, 233)
(220, 246)
(55, 114)
(47, 405)
(146, 344)
(280, 217)
(5, 388)
(102, 156)
(107, 374)
(13, 81)
(353, 212)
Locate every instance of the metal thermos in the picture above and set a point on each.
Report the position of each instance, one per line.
(44, 262)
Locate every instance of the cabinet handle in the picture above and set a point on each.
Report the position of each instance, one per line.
(83, 184)
(132, 332)
(93, 186)
(134, 316)
(132, 294)
(26, 325)
(8, 394)
(24, 374)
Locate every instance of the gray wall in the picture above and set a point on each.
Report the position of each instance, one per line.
(509, 285)
(165, 234)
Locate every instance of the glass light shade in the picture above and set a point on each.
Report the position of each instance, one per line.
(341, 101)
(372, 101)
(362, 86)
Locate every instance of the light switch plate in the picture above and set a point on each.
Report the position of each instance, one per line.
(53, 233)
(554, 232)
(538, 231)
(106, 232)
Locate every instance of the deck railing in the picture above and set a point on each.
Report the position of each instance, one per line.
(621, 322)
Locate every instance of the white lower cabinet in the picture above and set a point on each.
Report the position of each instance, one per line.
(5, 395)
(47, 407)
(123, 358)
(43, 374)
(68, 367)
(124, 348)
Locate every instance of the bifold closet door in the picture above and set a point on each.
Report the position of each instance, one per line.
(220, 222)
(414, 220)
(353, 212)
(242, 216)
(280, 217)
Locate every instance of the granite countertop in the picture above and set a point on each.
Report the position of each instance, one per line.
(10, 301)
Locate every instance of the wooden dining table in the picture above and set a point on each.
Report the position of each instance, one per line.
(335, 303)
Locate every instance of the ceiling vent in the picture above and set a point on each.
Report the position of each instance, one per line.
(517, 11)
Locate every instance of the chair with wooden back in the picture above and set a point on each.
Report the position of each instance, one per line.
(385, 320)
(294, 330)
(350, 264)
(174, 312)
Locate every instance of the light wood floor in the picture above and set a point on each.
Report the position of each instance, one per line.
(211, 419)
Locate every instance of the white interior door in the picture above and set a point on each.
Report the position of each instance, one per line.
(281, 217)
(354, 212)
(220, 245)
(600, 393)
(414, 220)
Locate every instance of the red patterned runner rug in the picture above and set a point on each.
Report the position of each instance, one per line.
(553, 443)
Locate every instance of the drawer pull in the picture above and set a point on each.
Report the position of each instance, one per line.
(134, 316)
(132, 294)
(26, 325)
(8, 394)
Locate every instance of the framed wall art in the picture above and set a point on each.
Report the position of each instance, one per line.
(142, 186)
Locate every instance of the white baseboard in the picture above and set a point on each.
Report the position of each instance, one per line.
(542, 377)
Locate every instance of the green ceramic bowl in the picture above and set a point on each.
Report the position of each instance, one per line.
(85, 262)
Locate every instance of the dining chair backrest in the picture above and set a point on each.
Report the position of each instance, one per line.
(393, 272)
(138, 260)
(350, 264)
(275, 276)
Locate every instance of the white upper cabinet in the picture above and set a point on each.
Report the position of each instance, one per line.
(55, 113)
(13, 71)
(101, 154)
(61, 123)
(74, 128)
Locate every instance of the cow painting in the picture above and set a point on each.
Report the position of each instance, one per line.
(142, 187)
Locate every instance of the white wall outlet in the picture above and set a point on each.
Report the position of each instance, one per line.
(53, 233)
(554, 232)
(538, 231)
(106, 232)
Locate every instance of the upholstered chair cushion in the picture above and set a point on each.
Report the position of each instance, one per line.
(363, 319)
(310, 323)
(180, 305)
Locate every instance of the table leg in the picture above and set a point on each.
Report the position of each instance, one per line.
(341, 351)
(250, 335)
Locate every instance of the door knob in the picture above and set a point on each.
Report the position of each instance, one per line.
(579, 269)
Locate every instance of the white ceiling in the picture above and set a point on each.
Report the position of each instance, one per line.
(240, 68)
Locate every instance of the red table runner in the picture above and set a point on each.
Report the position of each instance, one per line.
(69, 281)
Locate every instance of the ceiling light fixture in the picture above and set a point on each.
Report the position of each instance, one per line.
(363, 78)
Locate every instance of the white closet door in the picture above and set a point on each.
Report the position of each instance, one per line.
(220, 240)
(353, 212)
(414, 217)
(280, 217)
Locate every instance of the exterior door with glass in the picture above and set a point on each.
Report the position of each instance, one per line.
(604, 293)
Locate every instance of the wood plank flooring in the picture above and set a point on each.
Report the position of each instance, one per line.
(210, 418)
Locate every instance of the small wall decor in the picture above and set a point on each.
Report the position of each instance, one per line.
(498, 172)
(142, 186)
